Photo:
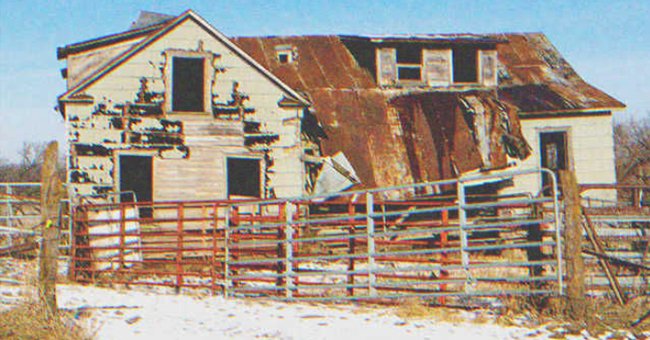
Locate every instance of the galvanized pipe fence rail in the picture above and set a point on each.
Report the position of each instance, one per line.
(20, 215)
(19, 210)
(622, 227)
(386, 243)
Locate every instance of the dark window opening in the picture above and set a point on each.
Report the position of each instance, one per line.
(243, 177)
(283, 58)
(187, 84)
(465, 65)
(136, 176)
(409, 73)
(409, 54)
(553, 146)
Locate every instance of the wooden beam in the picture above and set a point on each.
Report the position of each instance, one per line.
(575, 268)
(51, 193)
(598, 246)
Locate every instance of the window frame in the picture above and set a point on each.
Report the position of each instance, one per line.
(258, 159)
(208, 71)
(477, 66)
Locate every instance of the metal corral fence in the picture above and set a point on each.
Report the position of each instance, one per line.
(19, 211)
(20, 216)
(437, 239)
(620, 235)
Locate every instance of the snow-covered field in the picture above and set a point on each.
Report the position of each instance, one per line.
(159, 313)
(136, 314)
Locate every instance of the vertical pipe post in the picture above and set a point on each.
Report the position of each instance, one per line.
(351, 247)
(226, 252)
(122, 235)
(444, 260)
(462, 223)
(288, 251)
(213, 263)
(180, 216)
(10, 213)
(370, 228)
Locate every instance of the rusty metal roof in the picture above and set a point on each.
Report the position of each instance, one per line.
(401, 136)
(536, 78)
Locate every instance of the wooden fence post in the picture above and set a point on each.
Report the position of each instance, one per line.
(575, 269)
(51, 193)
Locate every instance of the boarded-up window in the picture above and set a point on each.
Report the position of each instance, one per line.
(387, 69)
(244, 177)
(187, 84)
(489, 68)
(437, 67)
(465, 65)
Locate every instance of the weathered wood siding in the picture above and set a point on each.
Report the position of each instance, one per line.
(189, 162)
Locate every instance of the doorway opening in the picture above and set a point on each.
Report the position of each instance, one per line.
(554, 156)
(136, 177)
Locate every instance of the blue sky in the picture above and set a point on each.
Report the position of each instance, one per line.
(606, 41)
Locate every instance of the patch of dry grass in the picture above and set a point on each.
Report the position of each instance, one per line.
(417, 309)
(602, 314)
(30, 321)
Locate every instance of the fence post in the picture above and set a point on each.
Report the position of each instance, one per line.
(351, 246)
(288, 251)
(575, 270)
(444, 274)
(226, 252)
(9, 213)
(179, 252)
(370, 228)
(51, 192)
(462, 222)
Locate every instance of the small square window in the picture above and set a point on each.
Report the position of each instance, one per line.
(283, 58)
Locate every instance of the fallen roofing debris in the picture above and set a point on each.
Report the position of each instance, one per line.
(336, 175)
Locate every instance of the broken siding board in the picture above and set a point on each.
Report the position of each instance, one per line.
(386, 66)
(488, 67)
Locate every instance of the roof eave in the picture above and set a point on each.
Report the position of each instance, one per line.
(65, 51)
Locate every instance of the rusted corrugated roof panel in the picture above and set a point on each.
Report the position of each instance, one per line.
(390, 137)
(322, 62)
(536, 78)
(357, 122)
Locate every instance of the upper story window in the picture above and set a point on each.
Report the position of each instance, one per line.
(188, 84)
(413, 64)
(409, 63)
(188, 80)
(285, 54)
(465, 64)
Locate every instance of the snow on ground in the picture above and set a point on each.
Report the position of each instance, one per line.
(137, 314)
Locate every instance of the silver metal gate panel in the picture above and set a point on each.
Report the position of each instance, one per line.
(493, 245)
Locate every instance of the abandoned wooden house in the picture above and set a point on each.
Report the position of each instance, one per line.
(173, 109)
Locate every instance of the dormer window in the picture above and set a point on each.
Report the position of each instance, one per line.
(436, 66)
(409, 63)
(285, 54)
(465, 64)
